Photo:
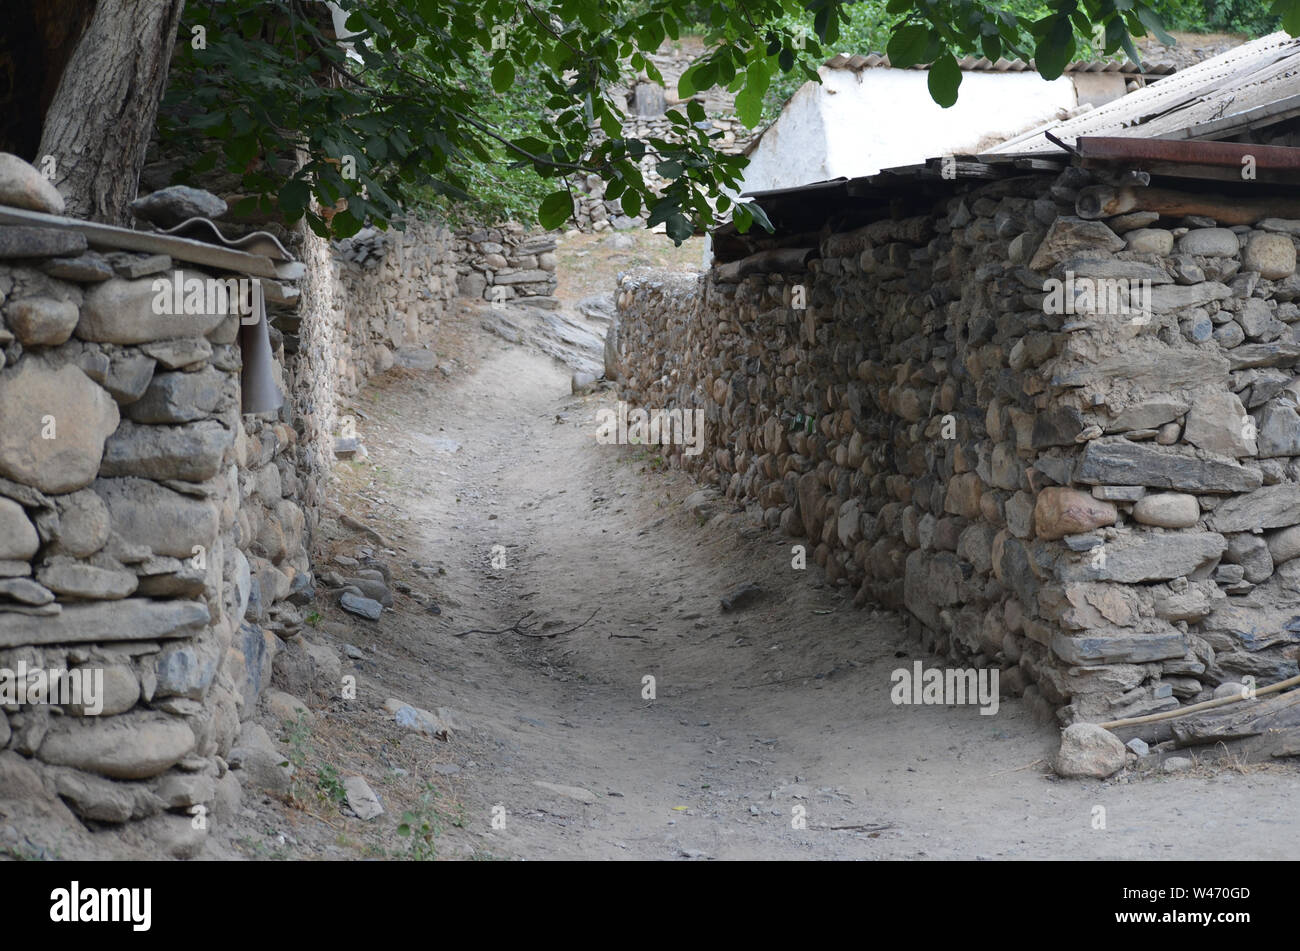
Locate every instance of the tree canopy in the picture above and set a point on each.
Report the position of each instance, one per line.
(416, 95)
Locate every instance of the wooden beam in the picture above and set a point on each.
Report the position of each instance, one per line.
(774, 261)
(1104, 201)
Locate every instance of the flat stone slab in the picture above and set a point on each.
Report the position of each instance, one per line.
(1117, 461)
(1273, 506)
(20, 241)
(1123, 648)
(1275, 354)
(1156, 365)
(131, 619)
(1148, 557)
(86, 268)
(362, 607)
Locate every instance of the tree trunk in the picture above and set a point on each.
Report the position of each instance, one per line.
(99, 123)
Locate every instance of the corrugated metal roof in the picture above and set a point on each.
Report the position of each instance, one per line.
(1215, 98)
(860, 61)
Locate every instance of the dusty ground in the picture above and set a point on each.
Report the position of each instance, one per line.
(761, 716)
(780, 705)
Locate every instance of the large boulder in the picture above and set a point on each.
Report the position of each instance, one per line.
(129, 746)
(22, 186)
(18, 538)
(53, 426)
(121, 311)
(41, 321)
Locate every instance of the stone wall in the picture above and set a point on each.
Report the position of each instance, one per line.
(507, 263)
(152, 530)
(140, 515)
(646, 101)
(365, 303)
(1104, 503)
(593, 212)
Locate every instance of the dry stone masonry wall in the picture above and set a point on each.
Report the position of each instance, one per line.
(973, 419)
(367, 303)
(647, 101)
(142, 519)
(593, 212)
(507, 263)
(153, 531)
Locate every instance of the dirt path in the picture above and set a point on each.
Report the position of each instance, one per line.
(759, 715)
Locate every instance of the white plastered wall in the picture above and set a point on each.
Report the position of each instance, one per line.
(856, 123)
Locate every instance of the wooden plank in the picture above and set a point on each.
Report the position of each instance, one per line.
(1267, 114)
(1134, 151)
(1038, 165)
(1248, 718)
(1211, 172)
(124, 239)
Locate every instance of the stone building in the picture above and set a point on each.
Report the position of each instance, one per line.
(1045, 400)
(164, 462)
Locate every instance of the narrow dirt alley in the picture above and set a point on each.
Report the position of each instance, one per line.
(773, 713)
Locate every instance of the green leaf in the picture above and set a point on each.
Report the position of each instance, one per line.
(651, 36)
(503, 75)
(609, 124)
(761, 217)
(944, 79)
(631, 203)
(746, 214)
(749, 102)
(1055, 49)
(686, 84)
(294, 196)
(531, 144)
(663, 209)
(679, 228)
(555, 210)
(1289, 11)
(704, 75)
(908, 45)
(1117, 38)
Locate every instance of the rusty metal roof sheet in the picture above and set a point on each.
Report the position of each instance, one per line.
(1181, 158)
(1255, 83)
